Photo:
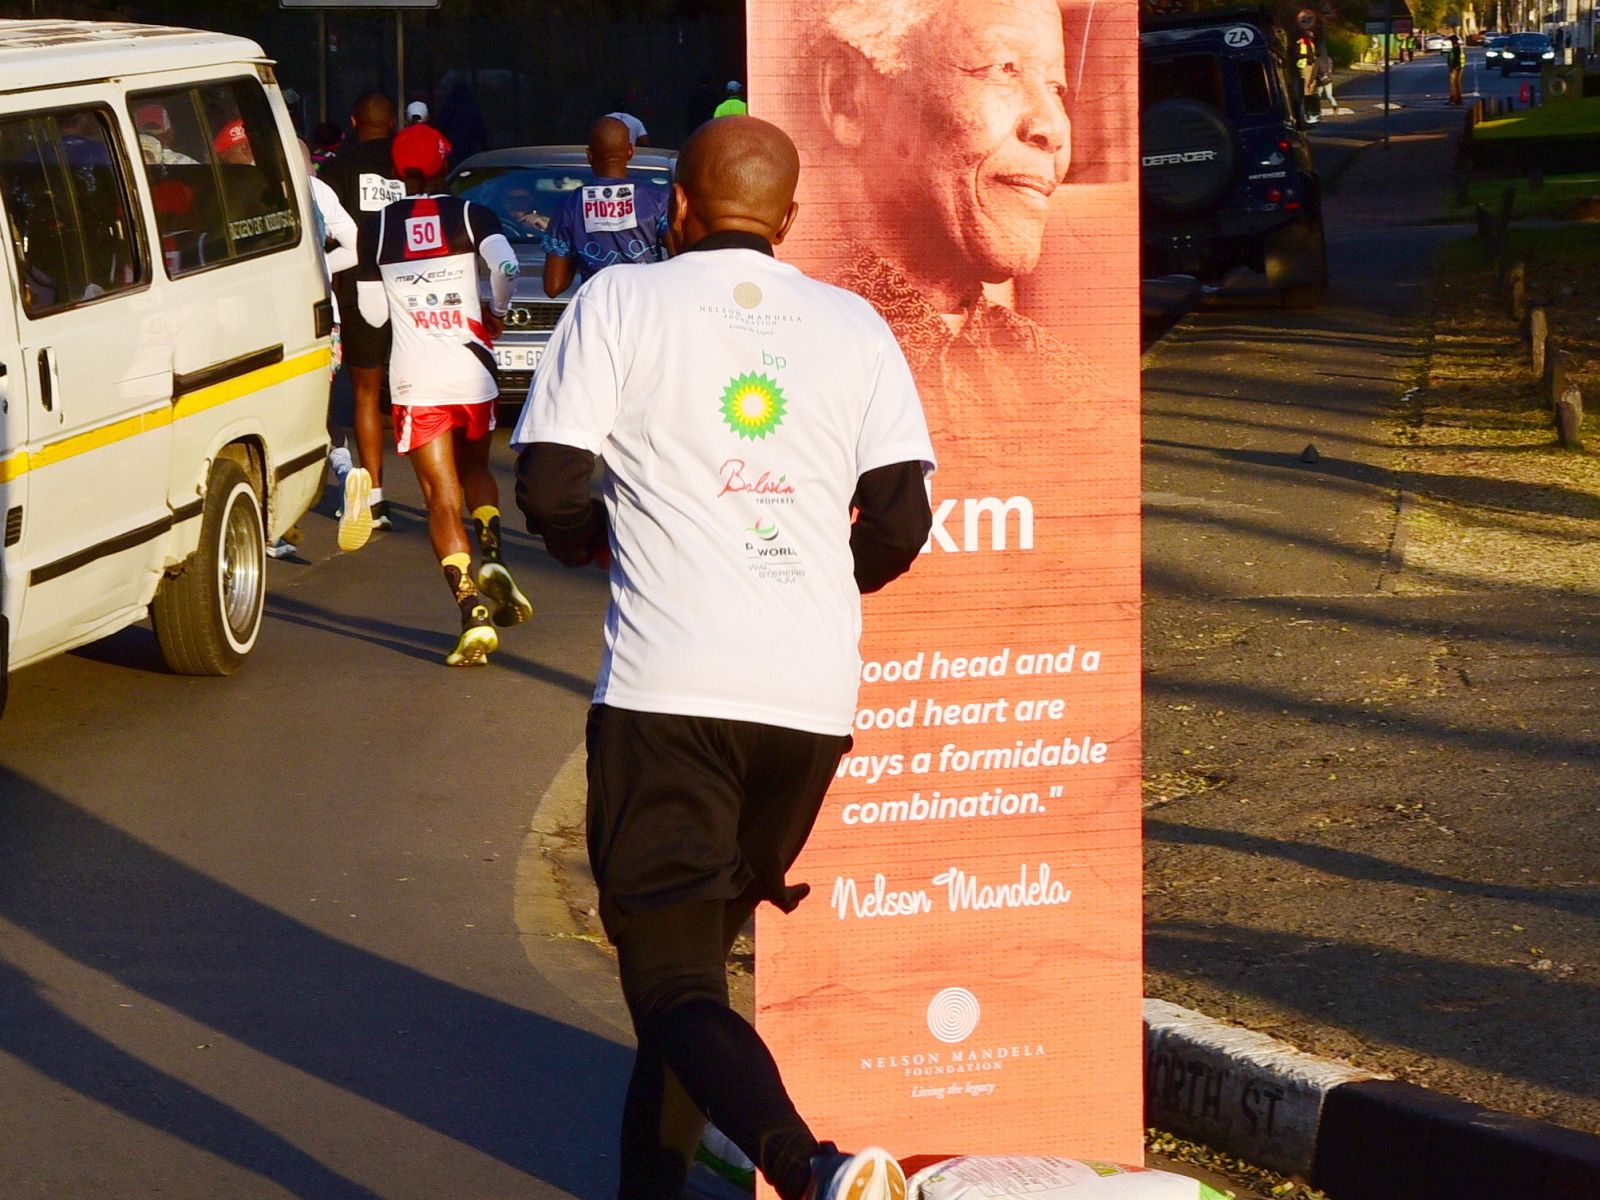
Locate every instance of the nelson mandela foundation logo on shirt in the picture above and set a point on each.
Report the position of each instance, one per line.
(753, 405)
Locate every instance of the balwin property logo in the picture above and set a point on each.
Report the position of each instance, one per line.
(753, 405)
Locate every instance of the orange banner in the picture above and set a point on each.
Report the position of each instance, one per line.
(966, 976)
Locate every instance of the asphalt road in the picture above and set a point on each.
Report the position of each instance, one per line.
(1369, 811)
(260, 936)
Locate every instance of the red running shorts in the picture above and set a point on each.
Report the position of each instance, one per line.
(418, 424)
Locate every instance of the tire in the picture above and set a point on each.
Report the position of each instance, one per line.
(1297, 265)
(208, 616)
(1189, 156)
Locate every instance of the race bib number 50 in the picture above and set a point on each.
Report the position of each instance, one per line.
(608, 208)
(424, 235)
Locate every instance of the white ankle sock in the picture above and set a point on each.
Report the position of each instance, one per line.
(374, 497)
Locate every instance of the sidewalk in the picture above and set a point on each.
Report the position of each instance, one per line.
(1370, 795)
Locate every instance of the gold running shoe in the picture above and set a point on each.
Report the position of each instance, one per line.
(511, 607)
(478, 639)
(355, 520)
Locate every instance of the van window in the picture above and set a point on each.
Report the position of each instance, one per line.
(218, 178)
(69, 209)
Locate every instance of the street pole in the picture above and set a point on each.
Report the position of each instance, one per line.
(1388, 35)
(400, 56)
(322, 66)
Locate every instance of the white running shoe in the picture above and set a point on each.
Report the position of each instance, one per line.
(355, 519)
(870, 1174)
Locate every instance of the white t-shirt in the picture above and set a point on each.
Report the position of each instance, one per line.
(736, 403)
(341, 229)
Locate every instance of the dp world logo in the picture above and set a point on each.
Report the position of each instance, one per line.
(953, 1015)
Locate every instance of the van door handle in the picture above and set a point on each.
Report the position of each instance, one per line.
(49, 381)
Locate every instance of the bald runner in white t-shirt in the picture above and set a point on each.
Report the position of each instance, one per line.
(744, 412)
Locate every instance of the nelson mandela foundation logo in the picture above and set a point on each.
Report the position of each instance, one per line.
(953, 1017)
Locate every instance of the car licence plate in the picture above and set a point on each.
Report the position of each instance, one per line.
(518, 358)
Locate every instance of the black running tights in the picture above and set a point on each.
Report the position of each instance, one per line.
(697, 1056)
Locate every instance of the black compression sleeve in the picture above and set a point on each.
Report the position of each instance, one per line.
(892, 523)
(482, 223)
(367, 249)
(553, 494)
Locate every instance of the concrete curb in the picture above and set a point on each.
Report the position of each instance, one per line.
(1352, 1134)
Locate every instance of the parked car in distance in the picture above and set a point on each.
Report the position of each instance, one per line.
(523, 185)
(1225, 165)
(1526, 52)
(1435, 41)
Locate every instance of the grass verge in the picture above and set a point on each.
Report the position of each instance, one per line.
(1558, 198)
(1493, 501)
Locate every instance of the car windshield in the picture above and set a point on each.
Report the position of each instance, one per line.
(1529, 41)
(525, 197)
(1495, 41)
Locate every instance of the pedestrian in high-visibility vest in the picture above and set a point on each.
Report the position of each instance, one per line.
(1305, 60)
(1456, 59)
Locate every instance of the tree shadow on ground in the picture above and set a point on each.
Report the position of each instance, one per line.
(467, 1066)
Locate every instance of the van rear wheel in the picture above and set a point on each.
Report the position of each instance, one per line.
(208, 616)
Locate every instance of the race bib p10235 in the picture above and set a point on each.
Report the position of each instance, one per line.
(608, 208)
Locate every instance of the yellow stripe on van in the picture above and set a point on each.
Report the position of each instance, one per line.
(232, 389)
(22, 462)
(94, 439)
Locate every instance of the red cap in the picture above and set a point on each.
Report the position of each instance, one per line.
(152, 118)
(422, 149)
(230, 135)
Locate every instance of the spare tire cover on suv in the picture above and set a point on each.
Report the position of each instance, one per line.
(1188, 155)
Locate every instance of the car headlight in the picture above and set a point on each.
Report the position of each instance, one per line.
(1548, 54)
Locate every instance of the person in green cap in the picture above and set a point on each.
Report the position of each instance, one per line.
(733, 104)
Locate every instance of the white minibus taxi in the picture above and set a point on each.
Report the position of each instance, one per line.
(164, 339)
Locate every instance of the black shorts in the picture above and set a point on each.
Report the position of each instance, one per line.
(364, 346)
(698, 808)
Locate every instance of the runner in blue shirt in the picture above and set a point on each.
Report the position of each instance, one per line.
(613, 220)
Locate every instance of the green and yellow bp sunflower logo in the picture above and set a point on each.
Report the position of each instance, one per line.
(753, 405)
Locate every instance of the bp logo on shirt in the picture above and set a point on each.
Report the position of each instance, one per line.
(753, 405)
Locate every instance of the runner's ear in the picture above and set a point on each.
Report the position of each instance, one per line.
(677, 209)
(788, 220)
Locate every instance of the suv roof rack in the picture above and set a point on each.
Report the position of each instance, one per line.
(1215, 16)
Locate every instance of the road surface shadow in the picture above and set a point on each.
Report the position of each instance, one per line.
(467, 1066)
(38, 1033)
(425, 645)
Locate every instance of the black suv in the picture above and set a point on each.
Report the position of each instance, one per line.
(1226, 170)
